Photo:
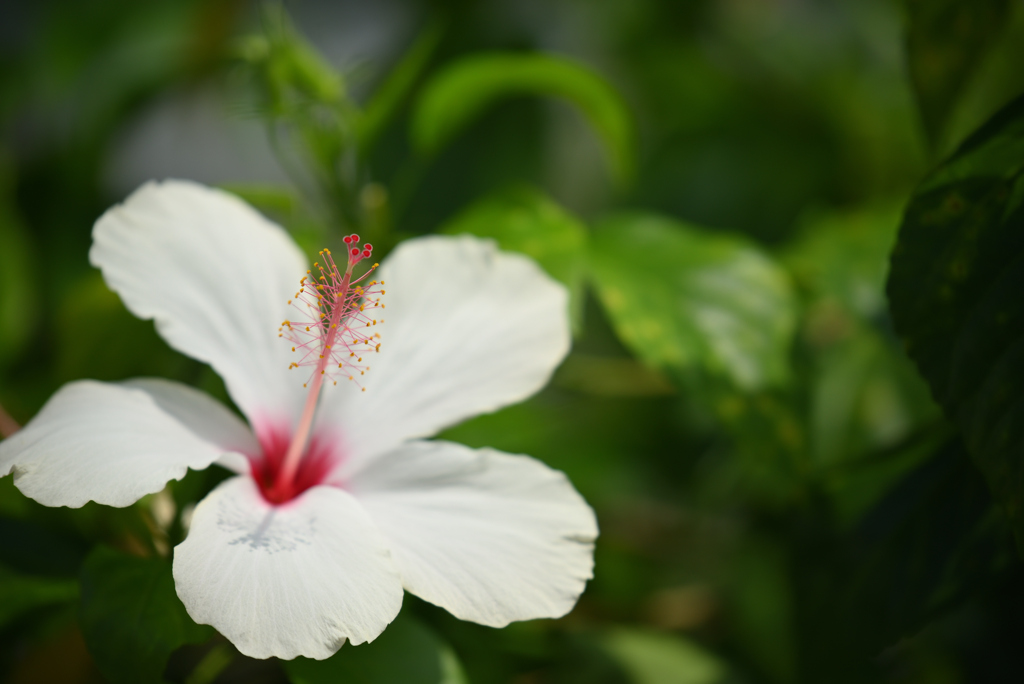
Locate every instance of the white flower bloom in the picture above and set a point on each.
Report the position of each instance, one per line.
(338, 503)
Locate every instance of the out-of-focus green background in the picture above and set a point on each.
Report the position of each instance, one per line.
(718, 182)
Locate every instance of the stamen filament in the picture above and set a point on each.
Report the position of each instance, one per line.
(298, 445)
(334, 303)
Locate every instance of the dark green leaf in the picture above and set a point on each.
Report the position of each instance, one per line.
(17, 291)
(525, 220)
(926, 545)
(762, 608)
(955, 292)
(130, 616)
(684, 298)
(406, 653)
(946, 40)
(22, 593)
(463, 89)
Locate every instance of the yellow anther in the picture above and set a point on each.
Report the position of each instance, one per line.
(322, 372)
(378, 347)
(350, 377)
(364, 389)
(321, 356)
(359, 360)
(293, 348)
(307, 328)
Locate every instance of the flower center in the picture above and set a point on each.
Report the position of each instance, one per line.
(333, 332)
(314, 466)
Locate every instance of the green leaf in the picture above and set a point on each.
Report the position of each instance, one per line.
(866, 395)
(109, 343)
(130, 616)
(928, 544)
(388, 97)
(20, 594)
(763, 609)
(465, 88)
(651, 657)
(844, 256)
(955, 293)
(946, 40)
(684, 298)
(17, 291)
(527, 221)
(406, 653)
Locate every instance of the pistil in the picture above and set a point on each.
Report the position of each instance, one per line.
(333, 339)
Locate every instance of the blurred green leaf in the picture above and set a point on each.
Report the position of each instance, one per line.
(131, 617)
(684, 298)
(17, 291)
(955, 291)
(390, 94)
(844, 256)
(20, 594)
(265, 197)
(946, 40)
(525, 220)
(456, 95)
(651, 657)
(292, 68)
(406, 653)
(107, 342)
(866, 395)
(762, 610)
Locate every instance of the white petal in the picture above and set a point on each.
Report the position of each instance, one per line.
(490, 537)
(468, 329)
(290, 580)
(113, 444)
(216, 277)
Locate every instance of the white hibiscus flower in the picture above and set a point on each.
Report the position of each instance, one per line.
(338, 503)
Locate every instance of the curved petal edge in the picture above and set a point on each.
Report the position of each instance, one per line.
(113, 444)
(491, 537)
(291, 580)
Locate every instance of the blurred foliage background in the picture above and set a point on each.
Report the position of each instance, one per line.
(784, 496)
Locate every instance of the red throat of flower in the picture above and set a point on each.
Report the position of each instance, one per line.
(334, 332)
